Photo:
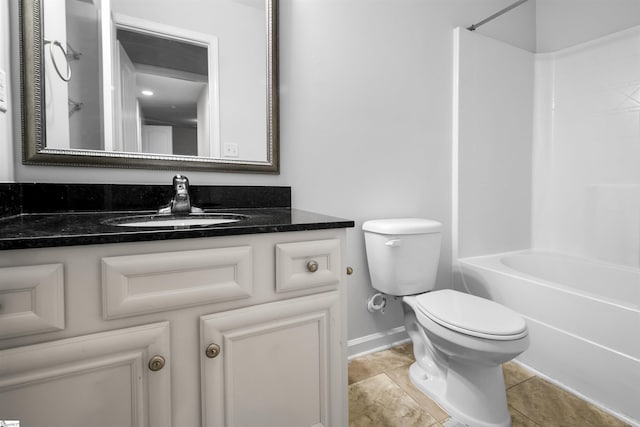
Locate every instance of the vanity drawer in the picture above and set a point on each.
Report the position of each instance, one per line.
(148, 283)
(31, 299)
(308, 264)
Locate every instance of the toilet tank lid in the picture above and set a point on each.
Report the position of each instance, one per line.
(402, 226)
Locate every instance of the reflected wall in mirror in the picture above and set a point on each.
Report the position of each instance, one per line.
(164, 84)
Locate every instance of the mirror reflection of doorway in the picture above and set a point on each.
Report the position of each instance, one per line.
(163, 89)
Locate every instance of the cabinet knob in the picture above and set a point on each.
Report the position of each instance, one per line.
(156, 363)
(312, 266)
(349, 271)
(213, 350)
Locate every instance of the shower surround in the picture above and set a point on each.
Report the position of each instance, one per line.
(546, 150)
(586, 186)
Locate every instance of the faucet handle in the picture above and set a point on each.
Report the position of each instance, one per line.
(180, 182)
(181, 201)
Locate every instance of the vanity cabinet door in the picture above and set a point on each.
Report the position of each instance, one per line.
(99, 380)
(276, 364)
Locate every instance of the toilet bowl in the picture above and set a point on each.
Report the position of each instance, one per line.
(460, 368)
(459, 340)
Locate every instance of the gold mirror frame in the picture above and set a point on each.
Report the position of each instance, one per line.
(33, 120)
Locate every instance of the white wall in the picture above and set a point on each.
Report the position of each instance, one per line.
(517, 27)
(587, 147)
(366, 114)
(366, 101)
(6, 131)
(494, 118)
(564, 23)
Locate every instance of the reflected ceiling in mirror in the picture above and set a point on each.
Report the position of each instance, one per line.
(160, 84)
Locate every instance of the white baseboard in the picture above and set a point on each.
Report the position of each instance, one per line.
(376, 342)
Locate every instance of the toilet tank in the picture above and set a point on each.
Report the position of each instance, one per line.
(403, 254)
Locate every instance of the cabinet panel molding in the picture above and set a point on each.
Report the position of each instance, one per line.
(279, 364)
(292, 264)
(31, 299)
(110, 367)
(281, 359)
(148, 283)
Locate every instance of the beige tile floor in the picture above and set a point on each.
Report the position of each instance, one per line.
(381, 395)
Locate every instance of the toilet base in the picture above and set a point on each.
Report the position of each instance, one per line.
(473, 396)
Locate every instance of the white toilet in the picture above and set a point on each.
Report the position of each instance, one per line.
(459, 340)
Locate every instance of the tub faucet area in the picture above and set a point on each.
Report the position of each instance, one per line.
(180, 204)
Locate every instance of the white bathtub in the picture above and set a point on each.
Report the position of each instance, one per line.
(583, 318)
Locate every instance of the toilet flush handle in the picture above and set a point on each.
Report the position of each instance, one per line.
(393, 242)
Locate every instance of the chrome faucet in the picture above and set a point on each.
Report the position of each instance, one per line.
(180, 204)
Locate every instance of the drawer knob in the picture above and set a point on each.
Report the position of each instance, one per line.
(349, 271)
(312, 266)
(213, 350)
(156, 363)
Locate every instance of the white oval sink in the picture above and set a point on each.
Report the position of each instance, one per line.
(172, 221)
(178, 222)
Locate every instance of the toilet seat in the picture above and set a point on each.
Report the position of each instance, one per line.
(471, 315)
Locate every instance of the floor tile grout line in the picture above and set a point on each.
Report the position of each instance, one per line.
(525, 416)
(400, 386)
(434, 416)
(520, 382)
(533, 420)
(408, 395)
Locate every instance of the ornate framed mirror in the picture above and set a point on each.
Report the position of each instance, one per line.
(153, 84)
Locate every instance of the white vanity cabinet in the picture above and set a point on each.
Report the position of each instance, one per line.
(244, 330)
(273, 366)
(100, 379)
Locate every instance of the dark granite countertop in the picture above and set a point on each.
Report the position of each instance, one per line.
(41, 215)
(41, 230)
